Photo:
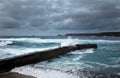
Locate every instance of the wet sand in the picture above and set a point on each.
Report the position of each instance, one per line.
(14, 75)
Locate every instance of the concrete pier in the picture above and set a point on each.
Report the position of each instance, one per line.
(10, 63)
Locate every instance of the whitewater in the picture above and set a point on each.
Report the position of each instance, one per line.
(105, 58)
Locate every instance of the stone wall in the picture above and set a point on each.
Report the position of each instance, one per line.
(10, 63)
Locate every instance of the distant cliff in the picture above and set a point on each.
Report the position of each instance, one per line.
(116, 34)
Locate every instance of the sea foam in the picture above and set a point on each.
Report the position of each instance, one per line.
(4, 43)
(42, 73)
(69, 42)
(82, 51)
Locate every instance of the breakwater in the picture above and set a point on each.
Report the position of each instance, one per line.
(31, 58)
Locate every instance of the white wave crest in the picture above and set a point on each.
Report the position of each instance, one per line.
(82, 51)
(34, 40)
(4, 43)
(22, 51)
(62, 41)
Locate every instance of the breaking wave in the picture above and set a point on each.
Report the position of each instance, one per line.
(33, 40)
(69, 42)
(29, 44)
(63, 42)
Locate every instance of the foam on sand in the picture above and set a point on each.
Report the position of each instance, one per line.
(42, 73)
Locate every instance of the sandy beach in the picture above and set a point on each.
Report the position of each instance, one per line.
(14, 75)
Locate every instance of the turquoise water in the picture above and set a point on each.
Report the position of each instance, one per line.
(106, 57)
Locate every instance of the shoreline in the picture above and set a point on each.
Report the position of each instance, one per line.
(23, 72)
(14, 75)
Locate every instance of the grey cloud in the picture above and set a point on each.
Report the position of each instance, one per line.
(9, 25)
(61, 14)
(103, 17)
(8, 22)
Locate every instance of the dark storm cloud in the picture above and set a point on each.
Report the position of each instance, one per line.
(60, 14)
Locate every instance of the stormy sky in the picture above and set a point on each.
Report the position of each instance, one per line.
(51, 17)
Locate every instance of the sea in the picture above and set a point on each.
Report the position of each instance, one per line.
(76, 64)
